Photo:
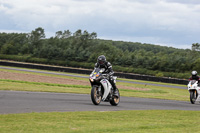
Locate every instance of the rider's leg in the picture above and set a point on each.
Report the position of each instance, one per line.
(113, 85)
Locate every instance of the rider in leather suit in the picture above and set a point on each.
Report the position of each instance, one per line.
(102, 63)
(195, 77)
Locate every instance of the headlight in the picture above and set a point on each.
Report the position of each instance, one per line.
(91, 79)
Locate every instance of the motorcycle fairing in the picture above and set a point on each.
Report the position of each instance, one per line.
(193, 85)
(107, 87)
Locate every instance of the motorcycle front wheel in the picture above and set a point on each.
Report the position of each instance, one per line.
(193, 96)
(115, 99)
(96, 95)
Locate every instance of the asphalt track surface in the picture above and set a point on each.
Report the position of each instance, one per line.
(27, 102)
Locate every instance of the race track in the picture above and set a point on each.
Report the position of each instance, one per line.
(26, 102)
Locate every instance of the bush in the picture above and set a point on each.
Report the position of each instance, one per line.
(159, 74)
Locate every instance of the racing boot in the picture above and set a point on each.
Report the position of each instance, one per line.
(115, 90)
(115, 93)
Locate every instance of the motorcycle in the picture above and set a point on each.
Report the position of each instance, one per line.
(194, 91)
(102, 89)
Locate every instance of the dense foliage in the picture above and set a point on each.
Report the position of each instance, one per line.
(81, 49)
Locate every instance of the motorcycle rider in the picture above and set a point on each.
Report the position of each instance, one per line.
(103, 63)
(195, 77)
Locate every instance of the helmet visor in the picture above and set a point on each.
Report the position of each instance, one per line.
(101, 62)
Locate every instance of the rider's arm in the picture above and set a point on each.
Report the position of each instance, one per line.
(95, 66)
(198, 79)
(110, 70)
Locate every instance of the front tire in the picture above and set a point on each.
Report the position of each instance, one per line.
(95, 95)
(115, 99)
(193, 96)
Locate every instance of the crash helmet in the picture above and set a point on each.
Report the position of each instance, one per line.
(194, 73)
(101, 60)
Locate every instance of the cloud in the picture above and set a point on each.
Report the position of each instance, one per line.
(152, 21)
(190, 2)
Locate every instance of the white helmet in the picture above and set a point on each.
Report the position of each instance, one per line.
(194, 73)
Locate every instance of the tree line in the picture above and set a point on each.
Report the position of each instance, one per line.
(81, 49)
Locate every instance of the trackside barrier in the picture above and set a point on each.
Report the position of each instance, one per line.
(152, 78)
(88, 71)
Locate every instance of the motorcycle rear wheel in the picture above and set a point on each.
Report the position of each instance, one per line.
(193, 96)
(95, 96)
(115, 99)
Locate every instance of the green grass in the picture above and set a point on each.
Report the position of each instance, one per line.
(140, 121)
(155, 92)
(152, 92)
(42, 87)
(51, 75)
(43, 74)
(151, 82)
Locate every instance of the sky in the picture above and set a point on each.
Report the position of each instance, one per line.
(172, 23)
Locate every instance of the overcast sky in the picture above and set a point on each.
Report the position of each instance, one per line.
(174, 23)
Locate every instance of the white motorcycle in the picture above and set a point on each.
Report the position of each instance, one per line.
(194, 91)
(102, 90)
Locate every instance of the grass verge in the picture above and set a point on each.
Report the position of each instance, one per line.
(155, 92)
(43, 74)
(42, 87)
(148, 92)
(52, 75)
(151, 92)
(142, 121)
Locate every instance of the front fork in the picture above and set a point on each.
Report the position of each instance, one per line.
(99, 90)
(194, 92)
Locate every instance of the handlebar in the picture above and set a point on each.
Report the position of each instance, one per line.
(106, 76)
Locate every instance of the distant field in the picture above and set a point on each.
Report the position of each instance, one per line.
(30, 81)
